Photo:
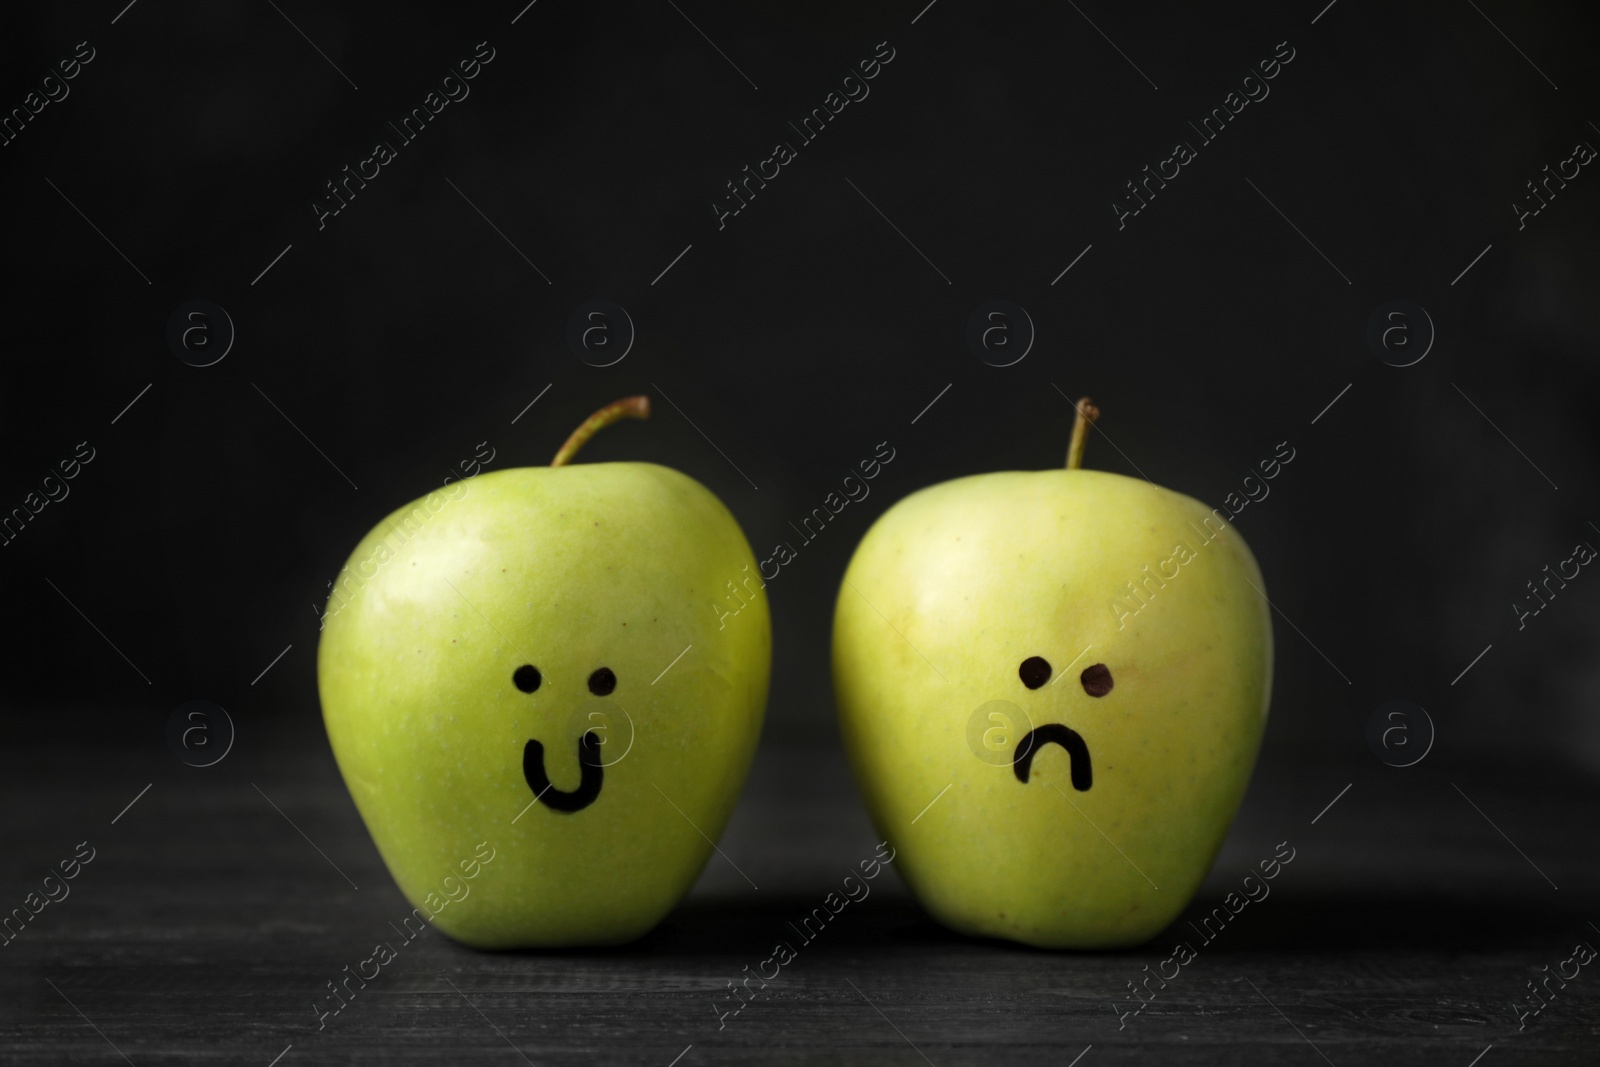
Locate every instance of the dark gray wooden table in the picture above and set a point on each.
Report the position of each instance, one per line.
(1416, 910)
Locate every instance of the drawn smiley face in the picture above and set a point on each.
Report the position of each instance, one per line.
(491, 635)
(602, 683)
(1035, 673)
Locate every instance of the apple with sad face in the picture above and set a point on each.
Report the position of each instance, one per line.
(1052, 687)
(534, 665)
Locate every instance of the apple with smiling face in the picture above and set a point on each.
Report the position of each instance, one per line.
(1052, 687)
(533, 665)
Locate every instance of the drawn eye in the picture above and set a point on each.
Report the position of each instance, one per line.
(602, 682)
(527, 677)
(1097, 680)
(1034, 672)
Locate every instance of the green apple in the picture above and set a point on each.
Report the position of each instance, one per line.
(533, 665)
(1052, 687)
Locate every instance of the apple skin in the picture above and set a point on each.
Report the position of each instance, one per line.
(978, 575)
(569, 569)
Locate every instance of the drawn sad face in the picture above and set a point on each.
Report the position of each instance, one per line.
(1035, 673)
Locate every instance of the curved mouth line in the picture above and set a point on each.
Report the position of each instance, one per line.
(558, 800)
(1067, 738)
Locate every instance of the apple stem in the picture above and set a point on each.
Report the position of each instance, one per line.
(1087, 413)
(633, 407)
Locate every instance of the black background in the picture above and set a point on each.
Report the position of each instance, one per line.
(807, 330)
(201, 539)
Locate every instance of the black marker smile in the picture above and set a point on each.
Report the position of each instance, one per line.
(1082, 772)
(593, 775)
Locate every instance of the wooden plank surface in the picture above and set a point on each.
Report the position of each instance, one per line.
(206, 926)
